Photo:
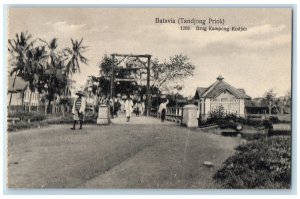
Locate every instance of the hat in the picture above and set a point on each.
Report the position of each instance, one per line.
(80, 93)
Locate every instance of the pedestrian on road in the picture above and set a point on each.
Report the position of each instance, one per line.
(78, 109)
(117, 107)
(111, 107)
(163, 109)
(142, 108)
(138, 108)
(128, 107)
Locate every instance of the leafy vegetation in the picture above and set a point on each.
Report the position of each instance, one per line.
(24, 116)
(46, 69)
(220, 117)
(263, 163)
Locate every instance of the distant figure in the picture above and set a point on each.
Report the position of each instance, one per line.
(163, 109)
(117, 107)
(111, 107)
(138, 108)
(128, 107)
(142, 108)
(78, 109)
(122, 108)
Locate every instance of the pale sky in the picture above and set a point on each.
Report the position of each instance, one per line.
(257, 59)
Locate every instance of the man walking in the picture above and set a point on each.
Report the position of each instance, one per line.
(78, 109)
(163, 109)
(128, 107)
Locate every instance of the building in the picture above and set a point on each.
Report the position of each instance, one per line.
(219, 94)
(18, 95)
(257, 106)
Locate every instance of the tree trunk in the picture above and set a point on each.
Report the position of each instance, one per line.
(49, 106)
(9, 101)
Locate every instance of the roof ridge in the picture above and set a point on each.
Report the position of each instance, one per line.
(225, 86)
(210, 87)
(235, 89)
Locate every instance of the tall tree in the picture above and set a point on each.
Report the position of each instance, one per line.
(60, 66)
(18, 48)
(75, 56)
(55, 78)
(35, 62)
(270, 98)
(120, 87)
(169, 76)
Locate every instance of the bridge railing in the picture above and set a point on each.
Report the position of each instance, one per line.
(173, 114)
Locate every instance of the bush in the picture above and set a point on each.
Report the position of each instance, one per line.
(60, 120)
(220, 117)
(38, 120)
(23, 125)
(279, 132)
(253, 136)
(25, 116)
(264, 163)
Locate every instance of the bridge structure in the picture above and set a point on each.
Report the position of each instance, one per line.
(145, 61)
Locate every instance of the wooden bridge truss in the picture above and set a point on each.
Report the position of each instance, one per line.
(145, 66)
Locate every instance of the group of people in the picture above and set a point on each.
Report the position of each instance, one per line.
(129, 106)
(115, 105)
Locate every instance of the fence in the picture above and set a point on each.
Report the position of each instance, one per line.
(39, 108)
(173, 114)
(20, 108)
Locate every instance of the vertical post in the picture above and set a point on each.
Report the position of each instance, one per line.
(112, 76)
(148, 87)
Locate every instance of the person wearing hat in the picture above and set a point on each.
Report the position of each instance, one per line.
(78, 109)
(163, 109)
(128, 107)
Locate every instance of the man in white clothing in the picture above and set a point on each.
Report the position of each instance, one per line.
(128, 107)
(78, 109)
(163, 109)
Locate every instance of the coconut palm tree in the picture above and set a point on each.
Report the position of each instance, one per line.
(18, 49)
(54, 77)
(75, 56)
(34, 70)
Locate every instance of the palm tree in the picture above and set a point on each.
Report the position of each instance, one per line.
(54, 80)
(18, 49)
(34, 70)
(54, 77)
(74, 56)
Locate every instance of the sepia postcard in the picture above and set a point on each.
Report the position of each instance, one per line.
(149, 98)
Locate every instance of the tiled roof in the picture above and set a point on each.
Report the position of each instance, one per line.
(218, 87)
(200, 91)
